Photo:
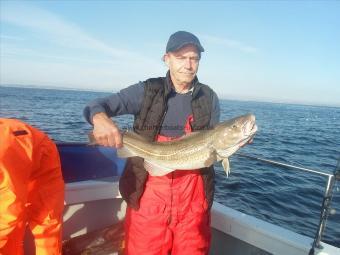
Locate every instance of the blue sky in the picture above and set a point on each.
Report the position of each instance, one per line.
(282, 51)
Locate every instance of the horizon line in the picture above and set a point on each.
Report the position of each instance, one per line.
(232, 98)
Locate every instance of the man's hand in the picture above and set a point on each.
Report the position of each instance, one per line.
(105, 131)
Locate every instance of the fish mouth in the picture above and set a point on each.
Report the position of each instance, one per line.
(249, 128)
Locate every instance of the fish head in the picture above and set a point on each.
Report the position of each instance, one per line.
(230, 135)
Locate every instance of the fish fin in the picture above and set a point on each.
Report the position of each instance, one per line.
(125, 153)
(185, 137)
(211, 160)
(92, 140)
(189, 134)
(156, 170)
(134, 135)
(226, 166)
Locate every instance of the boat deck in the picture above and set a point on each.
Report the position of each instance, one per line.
(94, 215)
(92, 206)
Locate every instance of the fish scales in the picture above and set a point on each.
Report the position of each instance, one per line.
(192, 151)
(165, 150)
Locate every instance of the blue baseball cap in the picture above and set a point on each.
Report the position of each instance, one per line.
(181, 39)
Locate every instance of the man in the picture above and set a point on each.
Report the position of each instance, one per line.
(31, 189)
(166, 214)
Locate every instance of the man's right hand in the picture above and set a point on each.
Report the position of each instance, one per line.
(105, 131)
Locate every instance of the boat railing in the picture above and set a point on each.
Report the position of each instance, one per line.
(325, 208)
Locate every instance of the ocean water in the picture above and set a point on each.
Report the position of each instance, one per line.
(307, 136)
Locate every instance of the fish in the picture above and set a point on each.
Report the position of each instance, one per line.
(108, 240)
(192, 151)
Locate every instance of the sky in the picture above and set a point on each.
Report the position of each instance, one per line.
(276, 51)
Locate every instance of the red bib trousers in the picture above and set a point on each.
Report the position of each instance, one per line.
(173, 217)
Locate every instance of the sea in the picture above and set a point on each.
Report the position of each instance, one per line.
(301, 135)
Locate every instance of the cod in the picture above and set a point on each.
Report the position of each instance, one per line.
(192, 151)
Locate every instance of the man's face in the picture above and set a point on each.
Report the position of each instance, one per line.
(183, 64)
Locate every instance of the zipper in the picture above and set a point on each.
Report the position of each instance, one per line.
(162, 120)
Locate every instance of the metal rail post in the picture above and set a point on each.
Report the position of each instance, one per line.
(325, 208)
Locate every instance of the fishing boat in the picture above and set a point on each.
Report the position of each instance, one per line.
(94, 213)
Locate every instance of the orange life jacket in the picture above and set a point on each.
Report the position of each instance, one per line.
(31, 189)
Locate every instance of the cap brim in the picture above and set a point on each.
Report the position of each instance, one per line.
(198, 46)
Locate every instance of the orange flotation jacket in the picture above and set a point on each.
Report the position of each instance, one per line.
(31, 189)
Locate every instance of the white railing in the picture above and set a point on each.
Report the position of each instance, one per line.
(325, 208)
